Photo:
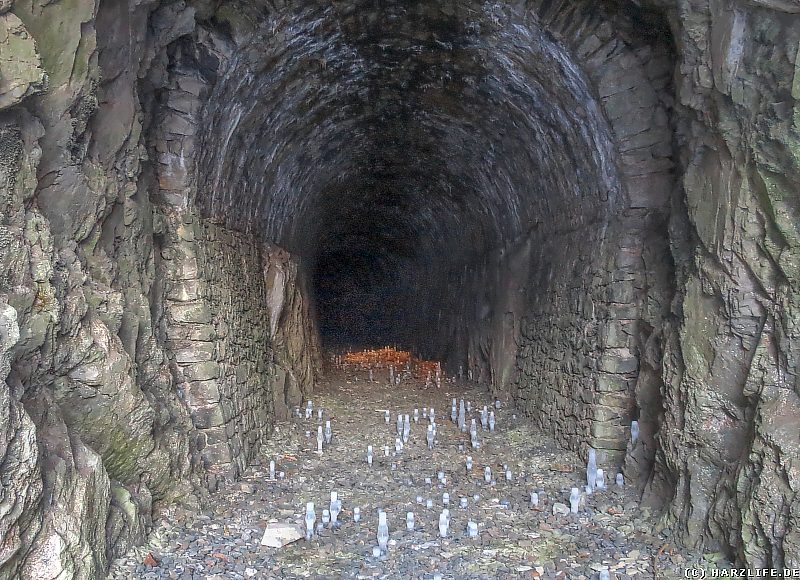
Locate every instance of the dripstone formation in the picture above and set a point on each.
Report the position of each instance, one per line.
(591, 208)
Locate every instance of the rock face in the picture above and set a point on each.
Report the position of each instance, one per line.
(137, 350)
(728, 442)
(590, 206)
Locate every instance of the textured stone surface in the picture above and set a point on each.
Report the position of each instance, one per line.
(95, 436)
(21, 73)
(590, 206)
(728, 444)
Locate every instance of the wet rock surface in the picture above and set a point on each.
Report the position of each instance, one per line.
(515, 540)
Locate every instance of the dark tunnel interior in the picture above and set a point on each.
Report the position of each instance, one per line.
(393, 150)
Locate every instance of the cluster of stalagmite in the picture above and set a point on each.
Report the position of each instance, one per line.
(590, 207)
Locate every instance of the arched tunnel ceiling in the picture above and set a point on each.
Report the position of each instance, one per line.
(433, 125)
(387, 144)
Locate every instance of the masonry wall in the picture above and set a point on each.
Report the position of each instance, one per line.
(567, 321)
(217, 325)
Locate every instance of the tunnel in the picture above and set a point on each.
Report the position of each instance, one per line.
(217, 212)
(420, 142)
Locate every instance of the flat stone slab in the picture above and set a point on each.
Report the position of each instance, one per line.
(278, 535)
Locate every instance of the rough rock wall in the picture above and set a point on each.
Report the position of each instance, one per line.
(295, 340)
(729, 442)
(95, 435)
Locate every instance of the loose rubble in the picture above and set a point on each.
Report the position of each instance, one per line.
(504, 509)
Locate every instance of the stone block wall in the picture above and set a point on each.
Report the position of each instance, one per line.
(217, 325)
(567, 320)
(572, 338)
(230, 347)
(232, 344)
(232, 265)
(581, 334)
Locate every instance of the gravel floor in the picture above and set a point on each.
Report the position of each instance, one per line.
(515, 539)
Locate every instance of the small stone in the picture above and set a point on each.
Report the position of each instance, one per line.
(278, 535)
(559, 509)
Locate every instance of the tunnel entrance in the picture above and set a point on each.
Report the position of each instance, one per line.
(486, 186)
(195, 193)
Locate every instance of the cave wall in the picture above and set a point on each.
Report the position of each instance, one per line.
(293, 332)
(100, 424)
(728, 443)
(95, 436)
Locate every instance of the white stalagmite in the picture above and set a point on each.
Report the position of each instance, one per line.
(591, 470)
(383, 531)
(472, 529)
(311, 518)
(335, 507)
(444, 524)
(574, 500)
